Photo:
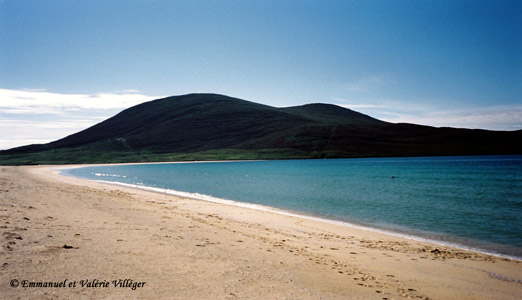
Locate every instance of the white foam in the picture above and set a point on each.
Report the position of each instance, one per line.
(108, 175)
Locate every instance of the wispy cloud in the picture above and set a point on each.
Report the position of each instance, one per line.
(22, 101)
(348, 104)
(498, 117)
(37, 116)
(506, 117)
(19, 132)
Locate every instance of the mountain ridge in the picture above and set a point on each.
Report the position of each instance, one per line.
(213, 126)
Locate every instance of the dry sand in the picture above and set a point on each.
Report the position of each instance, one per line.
(189, 249)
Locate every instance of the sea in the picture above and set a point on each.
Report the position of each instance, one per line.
(469, 202)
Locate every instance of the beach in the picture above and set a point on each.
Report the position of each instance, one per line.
(98, 241)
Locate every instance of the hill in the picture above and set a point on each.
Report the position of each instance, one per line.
(210, 126)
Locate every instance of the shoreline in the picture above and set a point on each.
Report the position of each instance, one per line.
(185, 248)
(297, 214)
(301, 215)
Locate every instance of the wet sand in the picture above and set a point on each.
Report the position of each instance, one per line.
(69, 231)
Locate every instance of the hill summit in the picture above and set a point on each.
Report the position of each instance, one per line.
(211, 126)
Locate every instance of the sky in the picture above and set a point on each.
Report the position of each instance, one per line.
(67, 65)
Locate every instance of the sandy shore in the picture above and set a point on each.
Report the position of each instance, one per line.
(74, 232)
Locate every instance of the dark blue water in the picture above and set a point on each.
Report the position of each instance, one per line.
(472, 201)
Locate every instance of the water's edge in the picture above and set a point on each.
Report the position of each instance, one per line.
(207, 198)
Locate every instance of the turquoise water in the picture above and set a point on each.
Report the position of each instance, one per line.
(474, 202)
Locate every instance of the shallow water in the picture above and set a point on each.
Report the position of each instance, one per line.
(473, 201)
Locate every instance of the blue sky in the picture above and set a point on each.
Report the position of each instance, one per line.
(66, 65)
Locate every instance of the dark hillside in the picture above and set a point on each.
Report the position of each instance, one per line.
(210, 126)
(332, 114)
